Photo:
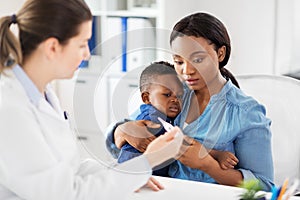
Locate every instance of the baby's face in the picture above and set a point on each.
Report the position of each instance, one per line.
(166, 95)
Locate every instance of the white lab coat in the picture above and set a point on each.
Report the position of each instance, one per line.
(39, 158)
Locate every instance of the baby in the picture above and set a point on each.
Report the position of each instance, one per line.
(161, 92)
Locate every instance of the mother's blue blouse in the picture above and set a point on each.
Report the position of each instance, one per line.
(232, 122)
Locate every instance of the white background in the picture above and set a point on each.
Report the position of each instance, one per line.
(264, 33)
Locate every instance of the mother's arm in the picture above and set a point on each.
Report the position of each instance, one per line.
(253, 149)
(110, 139)
(196, 156)
(136, 133)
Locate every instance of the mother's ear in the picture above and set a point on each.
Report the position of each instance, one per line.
(221, 53)
(145, 97)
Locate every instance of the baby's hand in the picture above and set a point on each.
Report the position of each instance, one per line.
(227, 160)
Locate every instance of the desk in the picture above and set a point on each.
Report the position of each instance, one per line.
(189, 190)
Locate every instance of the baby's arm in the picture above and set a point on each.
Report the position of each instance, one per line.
(226, 159)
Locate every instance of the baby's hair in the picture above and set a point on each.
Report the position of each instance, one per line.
(155, 69)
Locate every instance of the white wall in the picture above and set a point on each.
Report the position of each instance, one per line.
(10, 7)
(251, 25)
(287, 57)
(262, 32)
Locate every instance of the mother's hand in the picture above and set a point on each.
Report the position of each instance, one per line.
(193, 154)
(135, 133)
(196, 156)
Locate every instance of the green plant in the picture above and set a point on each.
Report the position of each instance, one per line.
(252, 187)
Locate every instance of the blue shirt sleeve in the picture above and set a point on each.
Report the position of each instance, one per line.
(110, 141)
(127, 152)
(253, 148)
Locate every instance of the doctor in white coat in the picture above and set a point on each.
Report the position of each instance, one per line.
(38, 153)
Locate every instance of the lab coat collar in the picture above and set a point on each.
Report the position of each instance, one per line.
(30, 88)
(49, 106)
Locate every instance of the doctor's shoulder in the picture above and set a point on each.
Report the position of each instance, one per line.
(14, 108)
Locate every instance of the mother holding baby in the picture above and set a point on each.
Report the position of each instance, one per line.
(216, 114)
